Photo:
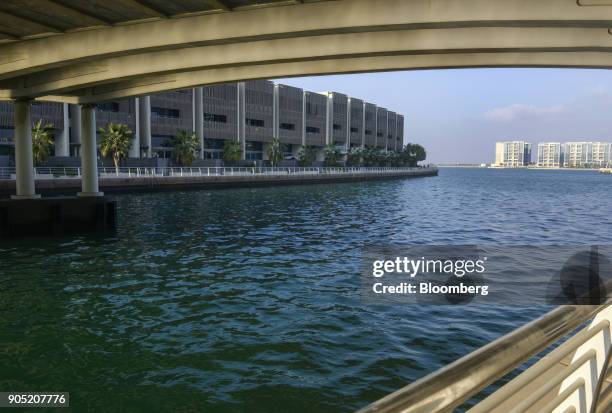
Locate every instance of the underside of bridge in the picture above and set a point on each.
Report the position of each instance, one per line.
(91, 51)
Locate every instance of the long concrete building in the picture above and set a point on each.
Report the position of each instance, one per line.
(251, 112)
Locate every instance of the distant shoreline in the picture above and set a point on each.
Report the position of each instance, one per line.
(516, 167)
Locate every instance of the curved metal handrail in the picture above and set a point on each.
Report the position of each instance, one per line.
(449, 387)
(602, 398)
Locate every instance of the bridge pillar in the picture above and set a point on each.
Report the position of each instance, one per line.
(144, 117)
(198, 117)
(75, 128)
(89, 158)
(135, 149)
(62, 144)
(24, 158)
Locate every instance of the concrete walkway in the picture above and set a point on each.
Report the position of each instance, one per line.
(152, 183)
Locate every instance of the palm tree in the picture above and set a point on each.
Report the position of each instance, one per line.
(332, 155)
(232, 151)
(419, 153)
(42, 139)
(306, 155)
(185, 147)
(116, 141)
(275, 151)
(369, 156)
(354, 156)
(413, 153)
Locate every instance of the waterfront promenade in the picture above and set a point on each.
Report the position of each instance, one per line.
(68, 180)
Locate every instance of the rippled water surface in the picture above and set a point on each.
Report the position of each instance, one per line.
(247, 300)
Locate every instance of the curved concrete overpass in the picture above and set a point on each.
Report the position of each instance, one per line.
(81, 52)
(223, 43)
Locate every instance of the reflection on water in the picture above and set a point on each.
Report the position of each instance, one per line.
(248, 299)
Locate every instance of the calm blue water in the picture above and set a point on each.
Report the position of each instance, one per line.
(248, 299)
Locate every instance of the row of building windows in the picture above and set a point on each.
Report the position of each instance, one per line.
(212, 117)
(165, 112)
(108, 106)
(312, 108)
(259, 123)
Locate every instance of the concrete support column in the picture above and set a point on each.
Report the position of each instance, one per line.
(241, 120)
(397, 121)
(62, 140)
(363, 125)
(275, 113)
(89, 153)
(348, 123)
(75, 127)
(198, 117)
(376, 127)
(24, 158)
(329, 120)
(304, 117)
(386, 134)
(135, 149)
(144, 117)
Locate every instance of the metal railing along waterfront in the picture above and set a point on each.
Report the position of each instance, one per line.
(574, 377)
(136, 172)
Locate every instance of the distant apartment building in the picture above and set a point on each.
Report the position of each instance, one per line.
(252, 112)
(550, 155)
(512, 154)
(602, 155)
(586, 154)
(577, 154)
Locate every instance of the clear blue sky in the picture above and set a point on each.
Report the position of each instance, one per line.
(459, 114)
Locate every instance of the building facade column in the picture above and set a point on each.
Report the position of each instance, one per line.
(135, 149)
(62, 140)
(386, 134)
(75, 128)
(24, 158)
(363, 125)
(144, 117)
(241, 117)
(376, 127)
(276, 112)
(304, 94)
(329, 120)
(397, 122)
(348, 123)
(198, 117)
(89, 153)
